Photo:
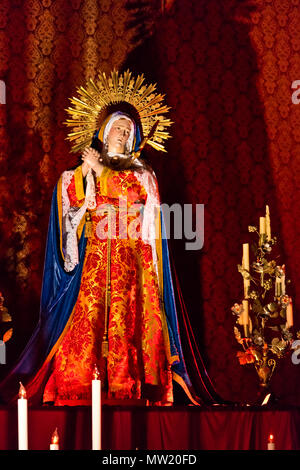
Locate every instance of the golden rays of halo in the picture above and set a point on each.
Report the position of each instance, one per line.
(98, 98)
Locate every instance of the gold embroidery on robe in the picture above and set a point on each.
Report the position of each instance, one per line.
(138, 365)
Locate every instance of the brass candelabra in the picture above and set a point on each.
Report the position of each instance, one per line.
(264, 318)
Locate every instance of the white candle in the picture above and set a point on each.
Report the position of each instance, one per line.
(22, 419)
(280, 281)
(268, 223)
(271, 443)
(246, 266)
(278, 285)
(54, 446)
(54, 441)
(262, 225)
(289, 314)
(245, 317)
(283, 279)
(262, 229)
(96, 410)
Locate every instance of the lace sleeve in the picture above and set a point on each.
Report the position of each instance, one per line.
(71, 217)
(151, 212)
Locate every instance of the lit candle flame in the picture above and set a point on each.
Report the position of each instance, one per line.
(271, 438)
(55, 437)
(22, 392)
(96, 373)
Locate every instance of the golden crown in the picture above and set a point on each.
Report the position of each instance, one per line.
(118, 92)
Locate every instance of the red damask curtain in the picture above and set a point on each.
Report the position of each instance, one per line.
(227, 68)
(174, 429)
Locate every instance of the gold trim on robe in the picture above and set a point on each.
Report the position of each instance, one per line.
(139, 363)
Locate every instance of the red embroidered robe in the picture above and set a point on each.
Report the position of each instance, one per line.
(138, 365)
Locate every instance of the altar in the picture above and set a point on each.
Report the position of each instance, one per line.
(156, 428)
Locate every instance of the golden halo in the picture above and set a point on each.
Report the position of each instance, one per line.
(100, 97)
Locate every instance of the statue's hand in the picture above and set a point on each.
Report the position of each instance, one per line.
(90, 159)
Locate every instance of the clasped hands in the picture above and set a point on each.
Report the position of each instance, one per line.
(90, 159)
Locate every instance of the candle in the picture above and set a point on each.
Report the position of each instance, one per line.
(280, 281)
(268, 223)
(283, 279)
(96, 410)
(245, 317)
(262, 229)
(54, 441)
(278, 285)
(271, 442)
(289, 314)
(22, 419)
(246, 266)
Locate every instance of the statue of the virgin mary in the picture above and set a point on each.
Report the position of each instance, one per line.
(108, 298)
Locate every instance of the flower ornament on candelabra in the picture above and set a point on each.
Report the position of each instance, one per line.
(4, 319)
(264, 318)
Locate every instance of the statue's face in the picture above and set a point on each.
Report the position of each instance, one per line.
(118, 135)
